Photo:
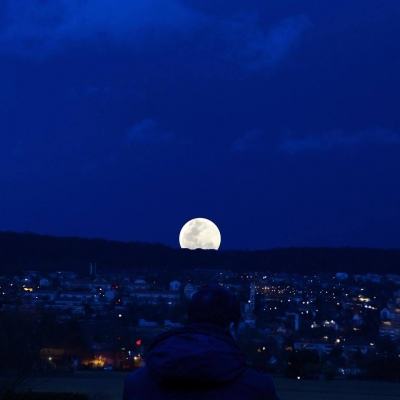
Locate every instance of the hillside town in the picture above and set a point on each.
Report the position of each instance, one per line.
(321, 326)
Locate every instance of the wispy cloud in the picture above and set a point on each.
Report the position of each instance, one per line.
(35, 25)
(256, 46)
(257, 140)
(338, 139)
(270, 48)
(41, 28)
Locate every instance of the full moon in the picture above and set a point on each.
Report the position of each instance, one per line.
(200, 233)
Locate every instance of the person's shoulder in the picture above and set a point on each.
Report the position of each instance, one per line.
(259, 382)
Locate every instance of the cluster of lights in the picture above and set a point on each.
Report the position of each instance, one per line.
(329, 324)
(363, 299)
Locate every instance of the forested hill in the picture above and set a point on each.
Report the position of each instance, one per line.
(22, 251)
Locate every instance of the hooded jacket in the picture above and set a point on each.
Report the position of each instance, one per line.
(197, 362)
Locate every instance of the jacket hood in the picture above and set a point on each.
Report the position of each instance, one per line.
(195, 355)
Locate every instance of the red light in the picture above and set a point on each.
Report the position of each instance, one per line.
(138, 342)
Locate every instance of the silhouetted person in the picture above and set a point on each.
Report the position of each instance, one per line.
(201, 360)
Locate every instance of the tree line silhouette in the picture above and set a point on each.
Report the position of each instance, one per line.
(24, 251)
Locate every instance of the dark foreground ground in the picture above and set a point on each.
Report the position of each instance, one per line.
(108, 386)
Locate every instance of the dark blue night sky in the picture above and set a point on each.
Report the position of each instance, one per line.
(279, 120)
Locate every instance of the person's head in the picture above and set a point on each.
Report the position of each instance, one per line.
(214, 305)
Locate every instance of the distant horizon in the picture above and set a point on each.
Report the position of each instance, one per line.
(221, 250)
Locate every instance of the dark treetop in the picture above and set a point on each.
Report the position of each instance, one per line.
(20, 251)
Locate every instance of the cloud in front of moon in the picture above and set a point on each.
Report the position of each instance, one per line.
(200, 233)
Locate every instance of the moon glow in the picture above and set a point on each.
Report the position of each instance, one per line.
(200, 233)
